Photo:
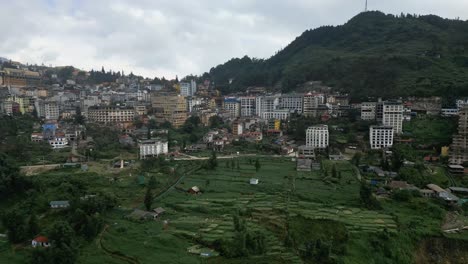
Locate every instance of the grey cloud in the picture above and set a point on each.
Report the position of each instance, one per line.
(165, 38)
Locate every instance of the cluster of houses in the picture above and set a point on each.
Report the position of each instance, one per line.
(449, 195)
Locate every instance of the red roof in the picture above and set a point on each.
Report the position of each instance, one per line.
(41, 239)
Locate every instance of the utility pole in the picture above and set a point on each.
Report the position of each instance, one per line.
(365, 9)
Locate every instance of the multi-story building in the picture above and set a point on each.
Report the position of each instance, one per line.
(265, 104)
(171, 108)
(237, 127)
(19, 78)
(459, 147)
(392, 115)
(317, 137)
(282, 114)
(191, 102)
(152, 148)
(247, 106)
(188, 89)
(381, 137)
(232, 106)
(51, 111)
(368, 111)
(109, 115)
(311, 104)
(292, 102)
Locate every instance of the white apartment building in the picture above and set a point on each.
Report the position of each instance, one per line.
(58, 142)
(152, 148)
(317, 137)
(368, 110)
(191, 102)
(292, 102)
(392, 115)
(247, 106)
(51, 110)
(311, 103)
(282, 114)
(188, 89)
(265, 104)
(381, 137)
(232, 106)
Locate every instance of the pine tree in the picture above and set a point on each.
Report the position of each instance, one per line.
(148, 199)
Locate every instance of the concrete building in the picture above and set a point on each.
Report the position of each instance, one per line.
(237, 127)
(283, 114)
(51, 111)
(311, 104)
(247, 106)
(317, 137)
(265, 104)
(292, 102)
(232, 106)
(392, 115)
(459, 147)
(152, 148)
(381, 137)
(368, 111)
(19, 78)
(108, 115)
(171, 108)
(188, 88)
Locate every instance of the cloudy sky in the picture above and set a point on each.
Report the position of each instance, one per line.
(169, 37)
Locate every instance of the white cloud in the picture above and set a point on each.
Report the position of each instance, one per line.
(168, 38)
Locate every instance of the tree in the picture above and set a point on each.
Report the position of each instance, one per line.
(334, 173)
(64, 247)
(257, 165)
(33, 226)
(148, 199)
(367, 199)
(152, 183)
(213, 161)
(14, 221)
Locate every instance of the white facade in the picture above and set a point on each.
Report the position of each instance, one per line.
(58, 142)
(392, 115)
(381, 137)
(247, 106)
(265, 104)
(51, 110)
(292, 102)
(188, 89)
(152, 148)
(317, 137)
(232, 106)
(191, 102)
(276, 114)
(368, 110)
(449, 111)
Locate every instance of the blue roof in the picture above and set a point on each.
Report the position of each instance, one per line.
(231, 100)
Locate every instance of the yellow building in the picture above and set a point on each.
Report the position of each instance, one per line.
(277, 124)
(444, 151)
(20, 78)
(169, 107)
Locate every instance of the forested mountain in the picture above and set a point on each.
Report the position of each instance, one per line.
(373, 54)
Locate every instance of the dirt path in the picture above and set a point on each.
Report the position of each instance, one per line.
(114, 254)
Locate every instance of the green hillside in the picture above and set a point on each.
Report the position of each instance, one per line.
(373, 54)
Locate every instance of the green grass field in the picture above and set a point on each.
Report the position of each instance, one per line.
(283, 202)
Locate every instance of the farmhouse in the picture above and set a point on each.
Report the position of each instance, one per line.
(40, 241)
(194, 190)
(159, 211)
(59, 204)
(443, 194)
(138, 214)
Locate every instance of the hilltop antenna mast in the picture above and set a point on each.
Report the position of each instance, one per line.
(365, 9)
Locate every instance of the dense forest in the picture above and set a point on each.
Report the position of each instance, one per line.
(373, 54)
